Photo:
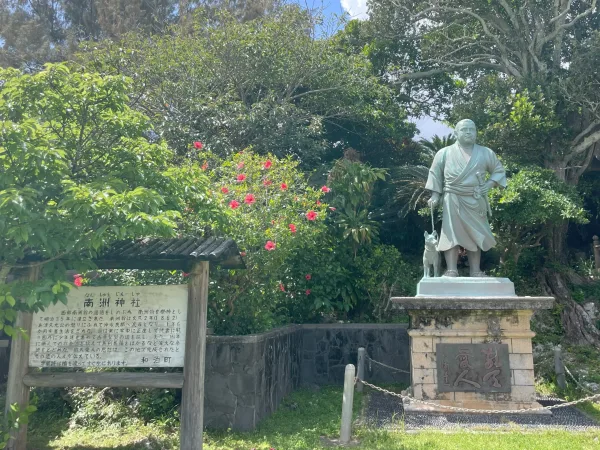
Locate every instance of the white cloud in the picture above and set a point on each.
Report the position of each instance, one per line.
(356, 8)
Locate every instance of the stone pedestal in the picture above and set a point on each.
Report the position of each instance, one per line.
(468, 311)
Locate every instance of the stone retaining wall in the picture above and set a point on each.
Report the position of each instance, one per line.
(247, 377)
(327, 349)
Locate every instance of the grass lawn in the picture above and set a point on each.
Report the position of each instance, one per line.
(299, 423)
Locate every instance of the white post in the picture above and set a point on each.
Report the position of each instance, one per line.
(346, 429)
(559, 368)
(361, 368)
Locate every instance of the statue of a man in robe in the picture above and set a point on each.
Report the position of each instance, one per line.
(458, 178)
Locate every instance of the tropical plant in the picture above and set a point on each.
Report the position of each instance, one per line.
(78, 173)
(353, 183)
(522, 213)
(409, 180)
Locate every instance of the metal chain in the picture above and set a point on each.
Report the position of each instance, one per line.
(577, 382)
(487, 411)
(384, 365)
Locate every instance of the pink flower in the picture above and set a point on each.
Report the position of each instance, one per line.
(270, 245)
(242, 254)
(325, 189)
(318, 203)
(284, 186)
(185, 274)
(78, 281)
(267, 183)
(205, 165)
(281, 287)
(308, 276)
(241, 177)
(307, 292)
(240, 165)
(198, 145)
(311, 215)
(249, 199)
(292, 227)
(332, 208)
(224, 190)
(268, 164)
(233, 204)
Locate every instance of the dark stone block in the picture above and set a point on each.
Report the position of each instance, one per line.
(221, 360)
(244, 419)
(241, 384)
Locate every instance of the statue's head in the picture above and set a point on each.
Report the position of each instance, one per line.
(466, 132)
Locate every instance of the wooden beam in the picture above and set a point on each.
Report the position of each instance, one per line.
(192, 404)
(111, 379)
(18, 366)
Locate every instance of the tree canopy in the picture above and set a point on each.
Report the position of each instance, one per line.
(267, 83)
(79, 172)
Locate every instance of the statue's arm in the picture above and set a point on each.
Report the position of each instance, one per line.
(496, 170)
(435, 178)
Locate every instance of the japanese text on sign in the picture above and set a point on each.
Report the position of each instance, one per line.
(112, 326)
(473, 368)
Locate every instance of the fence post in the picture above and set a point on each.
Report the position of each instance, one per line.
(348, 399)
(360, 370)
(596, 245)
(559, 368)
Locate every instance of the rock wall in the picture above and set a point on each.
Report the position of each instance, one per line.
(327, 349)
(247, 377)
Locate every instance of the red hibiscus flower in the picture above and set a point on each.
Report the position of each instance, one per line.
(311, 215)
(78, 281)
(270, 245)
(284, 186)
(234, 204)
(318, 203)
(308, 276)
(198, 145)
(205, 165)
(268, 164)
(240, 165)
(241, 177)
(267, 183)
(249, 199)
(281, 287)
(224, 190)
(292, 227)
(307, 292)
(325, 189)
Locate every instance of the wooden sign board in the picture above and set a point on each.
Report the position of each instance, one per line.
(112, 326)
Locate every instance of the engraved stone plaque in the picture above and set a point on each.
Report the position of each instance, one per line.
(473, 368)
(112, 326)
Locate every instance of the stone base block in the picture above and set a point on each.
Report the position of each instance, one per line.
(465, 287)
(483, 406)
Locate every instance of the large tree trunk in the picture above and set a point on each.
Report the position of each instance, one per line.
(578, 325)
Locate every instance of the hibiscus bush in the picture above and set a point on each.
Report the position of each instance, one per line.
(278, 222)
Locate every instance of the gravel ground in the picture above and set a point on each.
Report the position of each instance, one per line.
(385, 411)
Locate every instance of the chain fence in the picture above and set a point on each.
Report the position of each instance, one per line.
(408, 398)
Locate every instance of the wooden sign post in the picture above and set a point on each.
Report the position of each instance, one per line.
(93, 328)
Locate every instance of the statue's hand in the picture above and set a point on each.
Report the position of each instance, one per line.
(489, 184)
(434, 200)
